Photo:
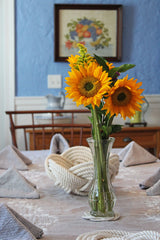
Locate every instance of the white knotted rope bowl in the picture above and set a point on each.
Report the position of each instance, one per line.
(119, 235)
(73, 169)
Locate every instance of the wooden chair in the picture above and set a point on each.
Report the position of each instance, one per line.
(39, 126)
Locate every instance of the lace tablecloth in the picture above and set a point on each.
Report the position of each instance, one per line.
(60, 214)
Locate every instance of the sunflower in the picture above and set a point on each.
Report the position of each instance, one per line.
(124, 98)
(88, 84)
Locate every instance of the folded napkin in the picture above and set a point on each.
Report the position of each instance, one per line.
(154, 190)
(14, 227)
(14, 185)
(151, 180)
(134, 154)
(10, 156)
(58, 144)
(119, 235)
(152, 184)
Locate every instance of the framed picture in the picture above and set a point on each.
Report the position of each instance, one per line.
(98, 27)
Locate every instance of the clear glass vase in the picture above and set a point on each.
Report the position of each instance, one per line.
(101, 196)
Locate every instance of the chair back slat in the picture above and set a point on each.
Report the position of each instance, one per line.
(37, 133)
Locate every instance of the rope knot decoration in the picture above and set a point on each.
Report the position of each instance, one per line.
(73, 169)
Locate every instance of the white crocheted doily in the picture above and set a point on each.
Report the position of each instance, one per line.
(73, 169)
(119, 235)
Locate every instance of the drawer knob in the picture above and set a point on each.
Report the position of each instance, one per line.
(127, 139)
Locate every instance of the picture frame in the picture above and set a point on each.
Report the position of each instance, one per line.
(97, 26)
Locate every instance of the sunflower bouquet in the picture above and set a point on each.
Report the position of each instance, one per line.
(94, 83)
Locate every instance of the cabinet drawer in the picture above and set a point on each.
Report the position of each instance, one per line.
(145, 139)
(45, 143)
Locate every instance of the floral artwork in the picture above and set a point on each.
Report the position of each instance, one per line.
(97, 27)
(86, 30)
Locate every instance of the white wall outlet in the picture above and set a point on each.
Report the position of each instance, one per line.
(54, 81)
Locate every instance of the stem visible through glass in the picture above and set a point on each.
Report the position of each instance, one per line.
(101, 152)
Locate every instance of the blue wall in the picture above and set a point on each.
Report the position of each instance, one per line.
(35, 48)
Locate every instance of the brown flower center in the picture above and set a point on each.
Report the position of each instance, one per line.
(122, 96)
(89, 86)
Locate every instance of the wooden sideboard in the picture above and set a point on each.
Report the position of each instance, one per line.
(49, 133)
(148, 137)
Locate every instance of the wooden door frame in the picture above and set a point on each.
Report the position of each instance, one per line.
(7, 62)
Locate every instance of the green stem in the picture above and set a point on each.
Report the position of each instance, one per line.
(101, 168)
(110, 121)
(99, 157)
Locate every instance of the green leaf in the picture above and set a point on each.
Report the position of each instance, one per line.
(112, 72)
(91, 119)
(89, 106)
(116, 128)
(102, 62)
(106, 131)
(125, 67)
(122, 68)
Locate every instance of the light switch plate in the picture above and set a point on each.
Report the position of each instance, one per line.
(54, 81)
